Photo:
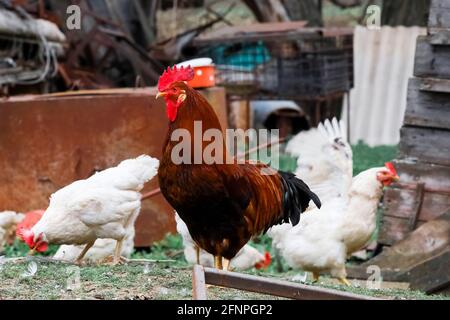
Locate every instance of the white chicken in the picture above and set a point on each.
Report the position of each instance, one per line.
(248, 257)
(104, 206)
(324, 238)
(8, 222)
(100, 251)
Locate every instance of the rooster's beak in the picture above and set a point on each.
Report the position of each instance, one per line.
(160, 94)
(32, 252)
(396, 178)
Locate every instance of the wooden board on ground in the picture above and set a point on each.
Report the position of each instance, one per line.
(430, 239)
(433, 275)
(428, 145)
(275, 287)
(428, 108)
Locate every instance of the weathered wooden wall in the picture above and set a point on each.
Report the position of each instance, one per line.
(423, 163)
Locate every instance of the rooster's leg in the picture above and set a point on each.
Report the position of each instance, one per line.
(344, 280)
(316, 276)
(197, 253)
(218, 262)
(227, 264)
(81, 256)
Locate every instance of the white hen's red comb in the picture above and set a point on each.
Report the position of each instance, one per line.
(26, 235)
(391, 168)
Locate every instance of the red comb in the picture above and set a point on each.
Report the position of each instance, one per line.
(31, 218)
(391, 168)
(26, 235)
(266, 263)
(268, 258)
(170, 76)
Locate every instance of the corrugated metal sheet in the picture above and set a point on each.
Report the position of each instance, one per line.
(384, 60)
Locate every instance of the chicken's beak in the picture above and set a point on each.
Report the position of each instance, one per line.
(395, 178)
(32, 251)
(160, 94)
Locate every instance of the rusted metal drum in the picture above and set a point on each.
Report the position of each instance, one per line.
(49, 141)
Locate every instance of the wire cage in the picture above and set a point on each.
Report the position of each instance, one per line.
(296, 67)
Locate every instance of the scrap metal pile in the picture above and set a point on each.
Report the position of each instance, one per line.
(29, 47)
(114, 45)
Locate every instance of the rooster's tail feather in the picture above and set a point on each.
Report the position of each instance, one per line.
(296, 197)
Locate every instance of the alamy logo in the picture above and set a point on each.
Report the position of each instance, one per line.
(211, 147)
(373, 17)
(374, 280)
(73, 21)
(73, 278)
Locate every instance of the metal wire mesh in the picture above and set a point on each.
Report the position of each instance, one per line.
(284, 68)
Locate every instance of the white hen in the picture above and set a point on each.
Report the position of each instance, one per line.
(8, 222)
(248, 257)
(100, 251)
(324, 238)
(104, 206)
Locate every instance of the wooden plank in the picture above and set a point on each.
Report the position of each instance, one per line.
(425, 108)
(429, 240)
(439, 16)
(275, 287)
(198, 283)
(387, 274)
(436, 177)
(418, 203)
(431, 61)
(424, 144)
(433, 275)
(439, 36)
(401, 203)
(435, 85)
(393, 229)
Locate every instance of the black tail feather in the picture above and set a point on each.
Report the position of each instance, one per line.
(296, 197)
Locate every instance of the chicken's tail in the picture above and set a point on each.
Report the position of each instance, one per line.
(296, 197)
(130, 174)
(143, 168)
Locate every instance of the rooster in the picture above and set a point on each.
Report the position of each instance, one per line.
(223, 203)
(323, 240)
(103, 206)
(248, 257)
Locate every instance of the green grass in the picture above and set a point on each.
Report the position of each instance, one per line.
(20, 249)
(166, 280)
(365, 157)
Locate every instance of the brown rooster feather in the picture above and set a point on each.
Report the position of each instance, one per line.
(223, 205)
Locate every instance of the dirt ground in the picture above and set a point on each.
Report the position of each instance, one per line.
(164, 281)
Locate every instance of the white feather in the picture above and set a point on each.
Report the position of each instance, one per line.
(31, 270)
(324, 159)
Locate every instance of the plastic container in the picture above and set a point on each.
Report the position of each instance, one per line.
(204, 71)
